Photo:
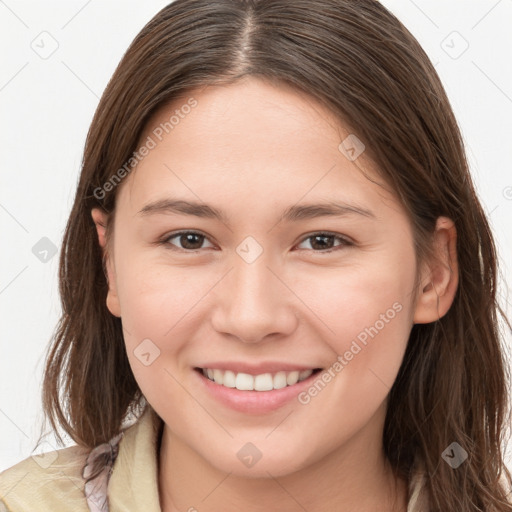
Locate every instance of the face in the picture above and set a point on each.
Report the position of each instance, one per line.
(255, 284)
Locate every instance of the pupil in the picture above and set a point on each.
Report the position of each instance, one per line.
(323, 245)
(188, 239)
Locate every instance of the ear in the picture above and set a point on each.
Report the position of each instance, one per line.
(100, 220)
(440, 277)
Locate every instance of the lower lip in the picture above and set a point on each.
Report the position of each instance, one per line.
(254, 402)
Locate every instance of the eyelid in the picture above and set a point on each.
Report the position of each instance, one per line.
(165, 239)
(346, 241)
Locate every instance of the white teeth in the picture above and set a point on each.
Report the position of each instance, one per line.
(218, 376)
(292, 378)
(262, 382)
(305, 374)
(229, 379)
(280, 380)
(244, 382)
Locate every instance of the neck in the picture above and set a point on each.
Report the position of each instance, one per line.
(356, 477)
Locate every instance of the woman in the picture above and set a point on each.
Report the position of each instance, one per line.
(277, 265)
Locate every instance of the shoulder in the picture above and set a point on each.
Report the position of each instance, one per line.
(55, 481)
(48, 482)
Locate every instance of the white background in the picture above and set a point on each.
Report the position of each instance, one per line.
(47, 105)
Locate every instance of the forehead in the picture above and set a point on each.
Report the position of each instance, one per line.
(251, 145)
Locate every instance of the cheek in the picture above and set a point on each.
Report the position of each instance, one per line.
(366, 313)
(157, 308)
(160, 309)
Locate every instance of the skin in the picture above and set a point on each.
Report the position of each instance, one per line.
(252, 150)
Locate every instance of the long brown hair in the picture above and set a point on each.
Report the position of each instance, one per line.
(355, 57)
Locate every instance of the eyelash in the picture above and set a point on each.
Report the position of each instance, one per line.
(345, 242)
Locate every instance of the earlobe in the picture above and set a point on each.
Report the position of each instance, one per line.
(440, 276)
(100, 220)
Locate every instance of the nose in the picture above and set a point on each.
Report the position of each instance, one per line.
(254, 303)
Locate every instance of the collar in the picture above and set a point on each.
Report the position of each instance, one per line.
(133, 484)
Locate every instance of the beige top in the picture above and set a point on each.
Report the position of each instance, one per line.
(55, 482)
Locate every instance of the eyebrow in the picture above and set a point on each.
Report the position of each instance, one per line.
(292, 214)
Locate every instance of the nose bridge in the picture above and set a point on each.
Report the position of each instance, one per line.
(253, 302)
(253, 285)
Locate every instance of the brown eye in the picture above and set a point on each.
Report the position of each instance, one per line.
(186, 240)
(325, 242)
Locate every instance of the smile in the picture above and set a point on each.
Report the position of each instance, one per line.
(261, 382)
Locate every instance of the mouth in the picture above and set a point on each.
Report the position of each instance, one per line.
(261, 382)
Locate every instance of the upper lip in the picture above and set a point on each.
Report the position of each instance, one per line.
(256, 369)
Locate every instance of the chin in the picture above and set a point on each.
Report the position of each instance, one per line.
(247, 460)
